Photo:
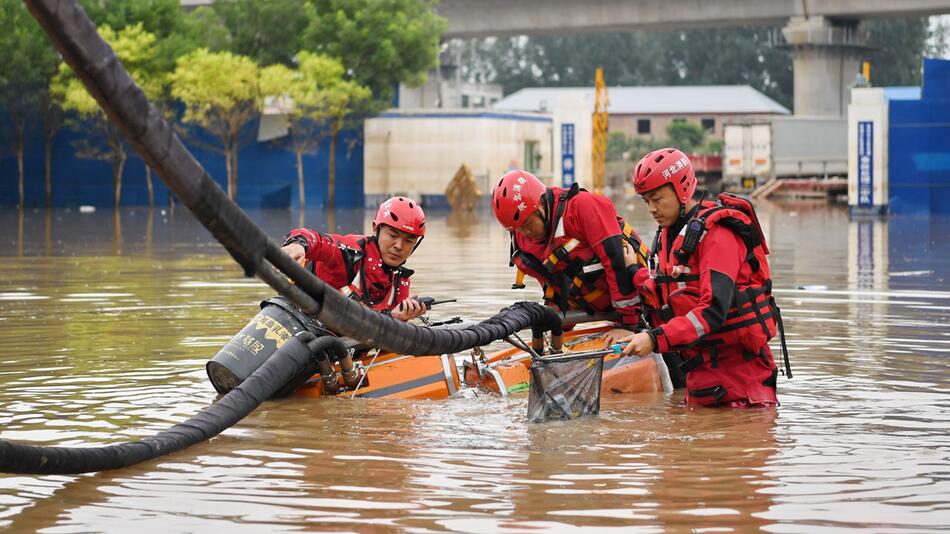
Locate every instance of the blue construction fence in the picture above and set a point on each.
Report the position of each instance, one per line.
(267, 173)
(919, 146)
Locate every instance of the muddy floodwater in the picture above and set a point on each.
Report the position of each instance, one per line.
(107, 320)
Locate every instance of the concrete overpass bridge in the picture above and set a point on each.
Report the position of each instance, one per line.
(825, 37)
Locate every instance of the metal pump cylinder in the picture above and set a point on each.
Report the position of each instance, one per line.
(274, 325)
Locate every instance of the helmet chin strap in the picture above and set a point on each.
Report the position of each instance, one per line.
(379, 228)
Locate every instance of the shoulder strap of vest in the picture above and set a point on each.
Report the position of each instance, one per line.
(693, 231)
(352, 256)
(746, 231)
(562, 200)
(698, 225)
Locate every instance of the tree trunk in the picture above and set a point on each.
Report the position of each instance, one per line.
(227, 166)
(19, 171)
(148, 185)
(48, 170)
(118, 165)
(234, 168)
(48, 233)
(300, 189)
(116, 232)
(19, 147)
(52, 123)
(331, 172)
(20, 233)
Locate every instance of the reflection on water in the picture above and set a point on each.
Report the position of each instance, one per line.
(107, 319)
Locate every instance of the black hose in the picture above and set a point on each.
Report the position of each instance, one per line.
(328, 346)
(144, 127)
(279, 369)
(319, 347)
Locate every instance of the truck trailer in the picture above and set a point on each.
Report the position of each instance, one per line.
(758, 150)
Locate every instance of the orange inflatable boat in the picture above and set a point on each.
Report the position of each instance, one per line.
(372, 374)
(503, 372)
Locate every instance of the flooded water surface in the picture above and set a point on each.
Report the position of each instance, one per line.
(107, 320)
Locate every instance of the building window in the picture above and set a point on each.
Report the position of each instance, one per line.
(464, 101)
(643, 126)
(709, 124)
(532, 156)
(679, 120)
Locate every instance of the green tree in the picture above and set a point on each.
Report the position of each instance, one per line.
(380, 42)
(268, 32)
(683, 57)
(221, 94)
(177, 33)
(136, 48)
(897, 50)
(162, 18)
(310, 97)
(27, 62)
(743, 55)
(686, 136)
(349, 104)
(617, 145)
(938, 45)
(205, 28)
(51, 108)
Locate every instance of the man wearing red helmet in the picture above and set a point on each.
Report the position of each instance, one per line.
(707, 288)
(572, 242)
(368, 268)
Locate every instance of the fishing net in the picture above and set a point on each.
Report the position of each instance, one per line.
(565, 387)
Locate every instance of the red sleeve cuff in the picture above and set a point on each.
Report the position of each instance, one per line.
(660, 340)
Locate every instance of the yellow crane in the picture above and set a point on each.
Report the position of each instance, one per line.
(600, 131)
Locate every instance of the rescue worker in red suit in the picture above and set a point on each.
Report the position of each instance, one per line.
(707, 287)
(572, 242)
(369, 268)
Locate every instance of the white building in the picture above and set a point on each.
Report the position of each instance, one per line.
(647, 111)
(417, 152)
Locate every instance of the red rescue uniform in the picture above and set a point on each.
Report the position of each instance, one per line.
(581, 265)
(711, 300)
(353, 265)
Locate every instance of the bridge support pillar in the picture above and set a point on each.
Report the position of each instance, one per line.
(826, 57)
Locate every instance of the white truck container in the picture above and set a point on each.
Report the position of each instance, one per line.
(755, 151)
(747, 155)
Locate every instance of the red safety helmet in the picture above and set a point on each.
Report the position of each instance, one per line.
(402, 214)
(665, 166)
(516, 197)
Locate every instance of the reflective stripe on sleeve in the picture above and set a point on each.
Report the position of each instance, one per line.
(700, 331)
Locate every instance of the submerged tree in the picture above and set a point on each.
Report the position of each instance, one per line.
(221, 94)
(178, 32)
(27, 62)
(51, 108)
(103, 140)
(315, 99)
(349, 103)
